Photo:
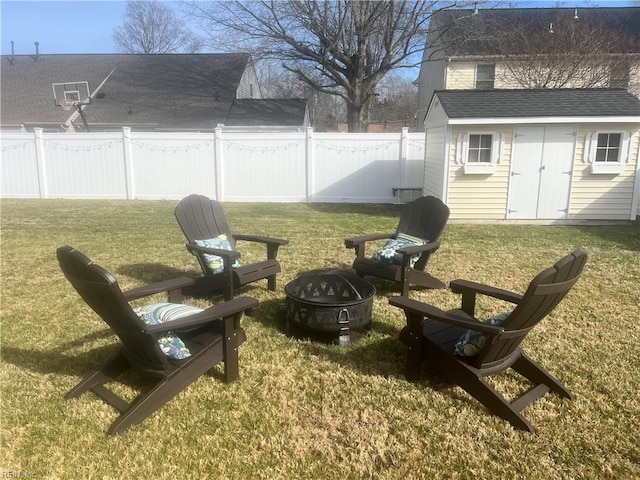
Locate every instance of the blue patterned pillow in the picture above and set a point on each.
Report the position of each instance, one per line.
(171, 344)
(389, 253)
(214, 263)
(472, 341)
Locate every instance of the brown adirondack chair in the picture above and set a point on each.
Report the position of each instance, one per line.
(202, 219)
(435, 336)
(211, 336)
(423, 218)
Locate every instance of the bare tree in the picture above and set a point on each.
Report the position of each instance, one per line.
(150, 27)
(567, 48)
(338, 47)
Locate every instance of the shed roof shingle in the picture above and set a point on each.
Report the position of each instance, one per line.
(600, 102)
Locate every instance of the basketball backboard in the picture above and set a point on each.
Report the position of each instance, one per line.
(68, 94)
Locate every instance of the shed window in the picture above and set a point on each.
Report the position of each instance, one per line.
(479, 152)
(480, 148)
(608, 147)
(607, 151)
(485, 76)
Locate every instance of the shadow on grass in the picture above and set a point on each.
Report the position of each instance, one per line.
(153, 272)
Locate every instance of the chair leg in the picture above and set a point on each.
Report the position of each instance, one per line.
(108, 372)
(230, 350)
(479, 389)
(414, 346)
(529, 369)
(271, 282)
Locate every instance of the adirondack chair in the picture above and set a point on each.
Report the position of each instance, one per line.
(467, 350)
(408, 250)
(203, 223)
(173, 343)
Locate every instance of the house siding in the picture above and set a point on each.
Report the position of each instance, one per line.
(603, 197)
(249, 87)
(479, 196)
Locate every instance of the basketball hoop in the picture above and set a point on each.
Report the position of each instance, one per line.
(66, 104)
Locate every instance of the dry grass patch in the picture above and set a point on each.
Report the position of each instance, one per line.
(311, 410)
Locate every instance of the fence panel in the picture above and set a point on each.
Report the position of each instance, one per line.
(19, 167)
(226, 165)
(263, 167)
(80, 166)
(172, 165)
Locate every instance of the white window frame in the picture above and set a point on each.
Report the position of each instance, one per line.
(485, 81)
(478, 168)
(606, 167)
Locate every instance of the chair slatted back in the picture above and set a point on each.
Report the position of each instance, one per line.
(544, 293)
(424, 217)
(201, 218)
(100, 290)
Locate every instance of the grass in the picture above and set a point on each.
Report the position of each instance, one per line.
(304, 409)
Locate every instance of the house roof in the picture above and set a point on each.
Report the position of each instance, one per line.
(160, 91)
(262, 112)
(488, 32)
(542, 103)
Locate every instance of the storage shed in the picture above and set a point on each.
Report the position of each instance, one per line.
(544, 155)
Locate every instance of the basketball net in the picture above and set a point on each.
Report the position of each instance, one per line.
(66, 104)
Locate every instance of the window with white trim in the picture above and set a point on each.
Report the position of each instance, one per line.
(485, 76)
(479, 152)
(480, 148)
(607, 151)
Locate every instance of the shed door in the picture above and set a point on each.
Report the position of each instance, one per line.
(541, 166)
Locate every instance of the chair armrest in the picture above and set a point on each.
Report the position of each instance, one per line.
(352, 242)
(258, 239)
(158, 287)
(273, 244)
(215, 312)
(431, 246)
(456, 317)
(466, 286)
(228, 255)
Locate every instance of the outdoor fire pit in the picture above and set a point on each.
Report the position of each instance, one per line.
(329, 301)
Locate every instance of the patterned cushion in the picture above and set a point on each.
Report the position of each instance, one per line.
(215, 263)
(389, 251)
(171, 344)
(472, 341)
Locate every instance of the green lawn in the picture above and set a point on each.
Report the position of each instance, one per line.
(310, 410)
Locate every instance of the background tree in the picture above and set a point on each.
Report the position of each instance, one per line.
(565, 48)
(342, 48)
(150, 27)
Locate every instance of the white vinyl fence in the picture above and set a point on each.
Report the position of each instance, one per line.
(226, 165)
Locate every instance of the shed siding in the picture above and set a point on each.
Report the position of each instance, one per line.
(480, 196)
(436, 153)
(603, 197)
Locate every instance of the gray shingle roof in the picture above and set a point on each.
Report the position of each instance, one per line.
(261, 112)
(170, 91)
(461, 33)
(600, 102)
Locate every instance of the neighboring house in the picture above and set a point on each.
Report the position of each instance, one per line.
(477, 49)
(547, 155)
(160, 92)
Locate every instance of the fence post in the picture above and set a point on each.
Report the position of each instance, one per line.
(41, 163)
(217, 162)
(309, 166)
(404, 152)
(128, 163)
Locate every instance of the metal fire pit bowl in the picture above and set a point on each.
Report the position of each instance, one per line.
(330, 302)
